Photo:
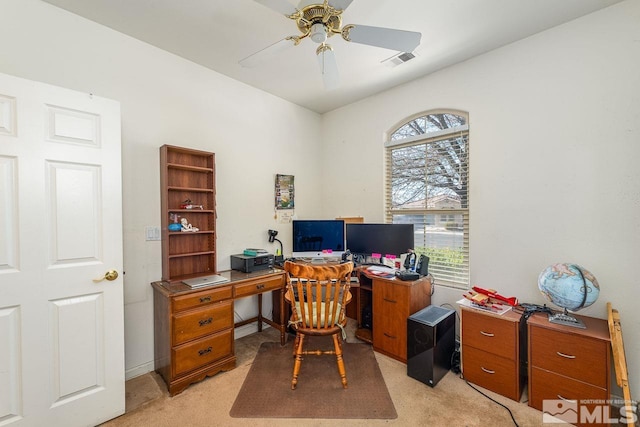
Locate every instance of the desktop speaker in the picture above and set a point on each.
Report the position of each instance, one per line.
(423, 265)
(367, 317)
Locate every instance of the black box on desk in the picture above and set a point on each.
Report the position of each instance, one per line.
(249, 264)
(430, 343)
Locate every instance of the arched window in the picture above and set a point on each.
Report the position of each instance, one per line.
(427, 184)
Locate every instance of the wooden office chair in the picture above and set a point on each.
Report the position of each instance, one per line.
(318, 295)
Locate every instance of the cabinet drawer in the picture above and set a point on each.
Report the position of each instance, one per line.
(574, 356)
(390, 342)
(549, 385)
(258, 286)
(188, 325)
(490, 333)
(495, 373)
(202, 298)
(201, 352)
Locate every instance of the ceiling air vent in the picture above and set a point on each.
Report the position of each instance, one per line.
(398, 59)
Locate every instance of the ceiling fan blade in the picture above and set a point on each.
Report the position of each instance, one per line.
(267, 53)
(280, 6)
(400, 40)
(340, 4)
(328, 67)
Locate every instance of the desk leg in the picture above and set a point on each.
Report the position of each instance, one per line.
(259, 312)
(283, 327)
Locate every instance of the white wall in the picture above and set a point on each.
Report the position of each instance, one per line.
(168, 100)
(554, 134)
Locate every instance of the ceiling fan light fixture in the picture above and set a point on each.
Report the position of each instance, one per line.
(318, 33)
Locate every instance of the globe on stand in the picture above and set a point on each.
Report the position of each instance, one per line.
(570, 287)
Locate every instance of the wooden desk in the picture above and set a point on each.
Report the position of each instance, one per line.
(392, 302)
(194, 328)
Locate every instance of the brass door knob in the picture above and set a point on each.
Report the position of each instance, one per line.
(109, 275)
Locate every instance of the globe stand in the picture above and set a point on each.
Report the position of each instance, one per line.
(566, 319)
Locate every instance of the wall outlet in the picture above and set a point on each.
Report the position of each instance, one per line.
(152, 234)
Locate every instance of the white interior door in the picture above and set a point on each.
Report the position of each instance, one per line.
(61, 332)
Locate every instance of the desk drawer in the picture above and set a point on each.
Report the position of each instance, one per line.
(571, 355)
(498, 374)
(255, 287)
(201, 352)
(202, 298)
(188, 325)
(490, 333)
(549, 385)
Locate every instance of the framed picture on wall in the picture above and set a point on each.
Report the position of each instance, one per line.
(284, 192)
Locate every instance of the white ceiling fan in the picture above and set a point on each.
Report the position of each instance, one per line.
(320, 20)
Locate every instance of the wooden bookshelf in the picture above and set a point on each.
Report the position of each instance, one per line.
(188, 174)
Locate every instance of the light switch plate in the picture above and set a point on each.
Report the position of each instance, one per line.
(152, 233)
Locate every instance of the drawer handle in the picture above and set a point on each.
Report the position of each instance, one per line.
(567, 400)
(205, 299)
(568, 356)
(389, 336)
(390, 300)
(261, 286)
(205, 321)
(205, 351)
(487, 334)
(488, 371)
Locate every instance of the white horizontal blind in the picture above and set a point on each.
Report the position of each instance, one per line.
(427, 183)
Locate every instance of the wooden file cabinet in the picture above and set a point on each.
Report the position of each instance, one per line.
(492, 351)
(569, 363)
(393, 302)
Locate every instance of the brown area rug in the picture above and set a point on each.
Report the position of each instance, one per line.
(266, 391)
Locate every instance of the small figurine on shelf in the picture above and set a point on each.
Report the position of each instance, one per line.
(188, 227)
(188, 205)
(175, 222)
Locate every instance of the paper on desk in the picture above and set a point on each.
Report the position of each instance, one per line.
(382, 271)
(466, 303)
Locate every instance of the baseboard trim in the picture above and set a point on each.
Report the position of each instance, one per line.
(138, 370)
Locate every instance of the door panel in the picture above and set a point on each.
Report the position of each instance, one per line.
(75, 204)
(61, 331)
(77, 353)
(8, 213)
(10, 390)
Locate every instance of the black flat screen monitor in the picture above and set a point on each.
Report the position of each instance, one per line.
(318, 238)
(383, 239)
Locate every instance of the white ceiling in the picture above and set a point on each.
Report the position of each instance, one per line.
(219, 33)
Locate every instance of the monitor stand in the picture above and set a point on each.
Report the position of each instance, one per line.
(318, 261)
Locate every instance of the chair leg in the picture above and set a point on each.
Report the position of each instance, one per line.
(295, 345)
(298, 360)
(338, 346)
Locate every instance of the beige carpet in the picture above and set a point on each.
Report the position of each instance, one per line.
(451, 403)
(319, 393)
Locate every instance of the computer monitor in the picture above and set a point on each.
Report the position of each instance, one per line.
(383, 239)
(318, 238)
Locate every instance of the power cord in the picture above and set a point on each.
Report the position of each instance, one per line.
(495, 401)
(526, 310)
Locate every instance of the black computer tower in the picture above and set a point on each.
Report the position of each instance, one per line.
(430, 343)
